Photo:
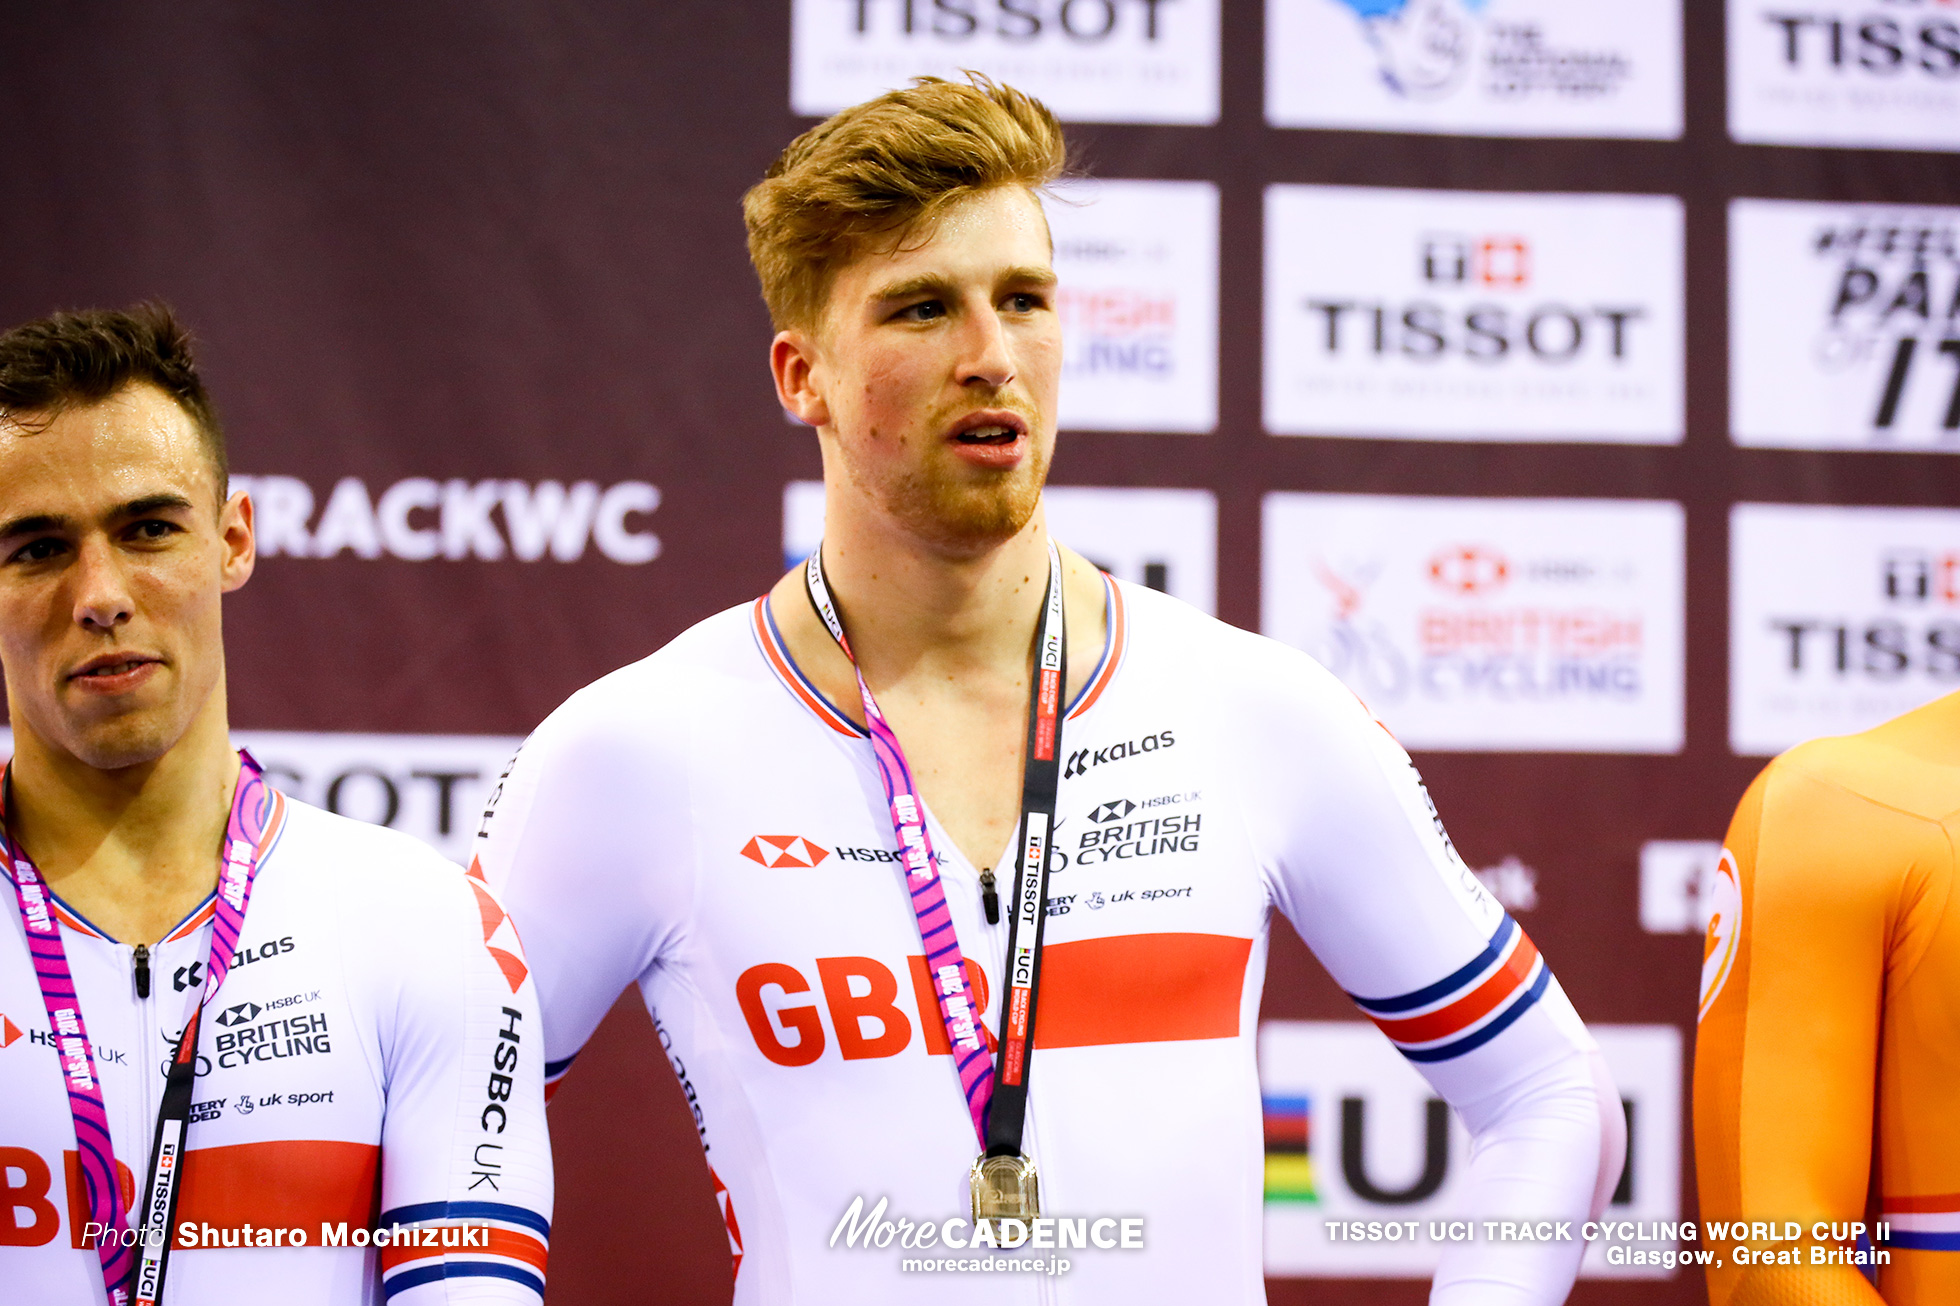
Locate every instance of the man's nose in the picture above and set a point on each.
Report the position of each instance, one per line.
(102, 598)
(988, 361)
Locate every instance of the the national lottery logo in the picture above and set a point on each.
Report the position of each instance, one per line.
(1845, 328)
(1425, 49)
(1487, 67)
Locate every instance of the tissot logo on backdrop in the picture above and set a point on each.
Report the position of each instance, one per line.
(1166, 539)
(1844, 325)
(1501, 624)
(1477, 67)
(1839, 618)
(429, 786)
(1454, 315)
(1088, 60)
(420, 519)
(1354, 1134)
(1138, 262)
(1882, 73)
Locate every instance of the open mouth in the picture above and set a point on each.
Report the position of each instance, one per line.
(994, 435)
(107, 670)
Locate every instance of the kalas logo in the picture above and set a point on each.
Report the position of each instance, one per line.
(1468, 569)
(1112, 811)
(783, 850)
(239, 1014)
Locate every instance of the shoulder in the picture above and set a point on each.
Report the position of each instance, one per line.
(1252, 674)
(1909, 765)
(644, 705)
(364, 866)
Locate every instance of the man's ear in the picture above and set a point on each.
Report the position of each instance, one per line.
(794, 363)
(239, 539)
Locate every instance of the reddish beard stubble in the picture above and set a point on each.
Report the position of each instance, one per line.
(955, 506)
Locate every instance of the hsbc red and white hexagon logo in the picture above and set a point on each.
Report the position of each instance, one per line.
(784, 850)
(1469, 569)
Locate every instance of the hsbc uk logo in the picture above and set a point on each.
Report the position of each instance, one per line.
(1112, 811)
(239, 1014)
(1468, 569)
(779, 851)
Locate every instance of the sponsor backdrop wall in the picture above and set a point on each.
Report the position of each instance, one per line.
(1579, 378)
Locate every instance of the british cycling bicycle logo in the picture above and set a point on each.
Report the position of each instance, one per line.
(1423, 46)
(1359, 650)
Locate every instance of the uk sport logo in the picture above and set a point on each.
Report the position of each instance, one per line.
(777, 851)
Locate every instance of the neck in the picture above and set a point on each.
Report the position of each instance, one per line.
(134, 848)
(906, 603)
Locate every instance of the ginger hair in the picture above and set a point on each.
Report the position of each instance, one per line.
(877, 173)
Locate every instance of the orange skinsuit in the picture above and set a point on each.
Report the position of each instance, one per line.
(1830, 1016)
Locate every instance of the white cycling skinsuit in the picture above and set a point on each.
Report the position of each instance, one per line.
(705, 824)
(371, 1059)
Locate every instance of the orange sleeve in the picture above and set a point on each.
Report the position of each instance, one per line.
(1786, 1054)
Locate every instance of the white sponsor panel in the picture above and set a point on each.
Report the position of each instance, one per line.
(1844, 325)
(1088, 60)
(1456, 315)
(1501, 625)
(1138, 298)
(1166, 539)
(431, 786)
(1877, 73)
(421, 519)
(1677, 878)
(1476, 67)
(1382, 1147)
(1839, 618)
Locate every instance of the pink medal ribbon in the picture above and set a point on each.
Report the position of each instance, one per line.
(252, 804)
(944, 961)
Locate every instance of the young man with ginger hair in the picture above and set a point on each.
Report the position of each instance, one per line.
(900, 954)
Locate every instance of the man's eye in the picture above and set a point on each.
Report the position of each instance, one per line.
(38, 551)
(924, 311)
(152, 530)
(1024, 302)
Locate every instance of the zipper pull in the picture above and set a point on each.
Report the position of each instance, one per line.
(988, 898)
(142, 970)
